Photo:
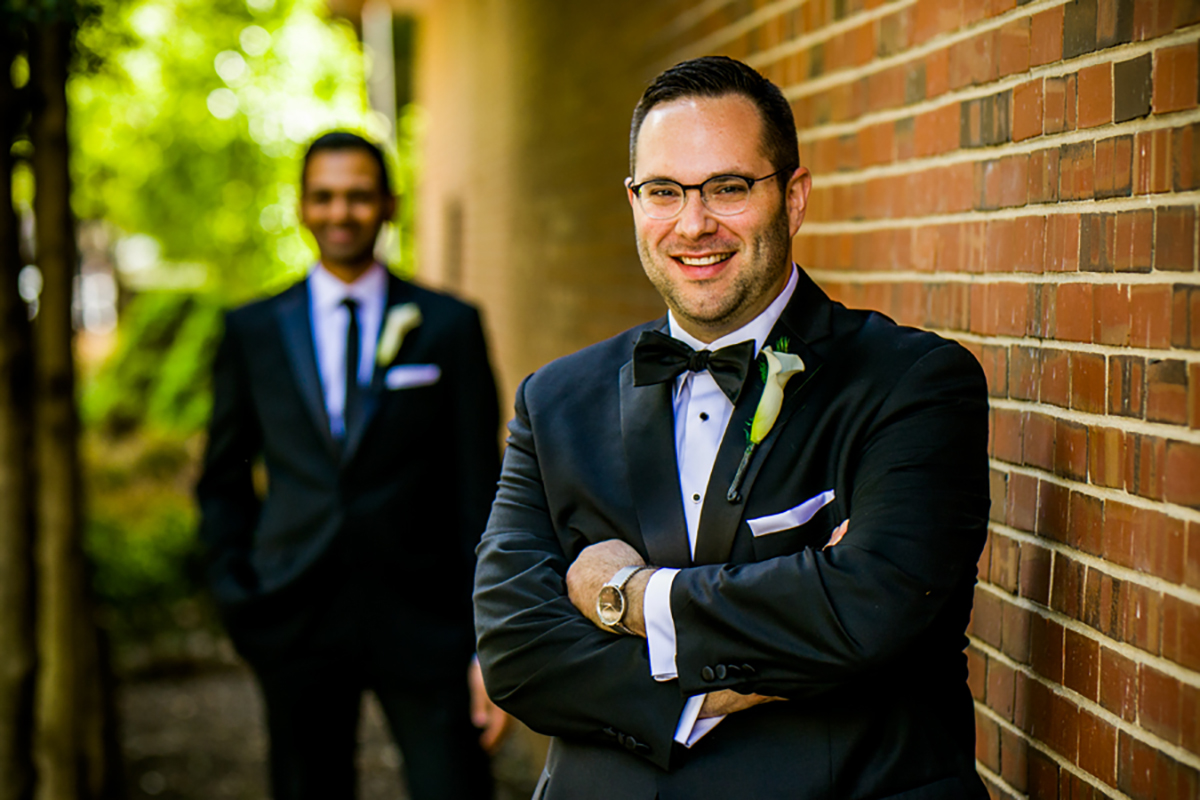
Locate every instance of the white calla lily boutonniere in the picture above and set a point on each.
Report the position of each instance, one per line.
(399, 321)
(780, 366)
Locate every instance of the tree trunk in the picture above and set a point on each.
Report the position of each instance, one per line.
(16, 475)
(71, 745)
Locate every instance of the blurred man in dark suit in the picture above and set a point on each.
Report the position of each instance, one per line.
(372, 404)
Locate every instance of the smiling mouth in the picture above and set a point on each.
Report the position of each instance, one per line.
(703, 261)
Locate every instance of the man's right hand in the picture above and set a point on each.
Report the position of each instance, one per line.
(727, 701)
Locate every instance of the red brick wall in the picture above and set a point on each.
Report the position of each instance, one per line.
(1023, 178)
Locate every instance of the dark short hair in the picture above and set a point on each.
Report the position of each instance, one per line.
(717, 76)
(345, 140)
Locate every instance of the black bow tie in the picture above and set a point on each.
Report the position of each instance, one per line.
(658, 358)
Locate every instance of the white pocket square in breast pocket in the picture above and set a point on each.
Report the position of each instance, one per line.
(792, 518)
(409, 376)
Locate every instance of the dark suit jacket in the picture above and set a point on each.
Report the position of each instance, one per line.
(864, 639)
(393, 512)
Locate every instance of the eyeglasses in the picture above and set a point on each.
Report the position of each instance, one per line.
(724, 195)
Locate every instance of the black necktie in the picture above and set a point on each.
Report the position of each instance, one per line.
(658, 358)
(350, 410)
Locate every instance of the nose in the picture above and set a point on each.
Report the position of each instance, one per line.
(694, 220)
(339, 209)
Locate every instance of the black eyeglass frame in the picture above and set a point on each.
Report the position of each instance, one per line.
(637, 190)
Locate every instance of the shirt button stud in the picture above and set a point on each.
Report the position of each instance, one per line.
(696, 497)
(704, 416)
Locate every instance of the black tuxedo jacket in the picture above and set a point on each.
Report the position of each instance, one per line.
(392, 513)
(864, 639)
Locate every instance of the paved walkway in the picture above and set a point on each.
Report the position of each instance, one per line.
(200, 737)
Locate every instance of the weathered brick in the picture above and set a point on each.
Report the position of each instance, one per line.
(977, 673)
(987, 617)
(1013, 47)
(1059, 97)
(1043, 175)
(987, 742)
(1046, 646)
(1185, 316)
(1126, 386)
(1056, 377)
(1131, 88)
(1077, 171)
(1181, 621)
(1141, 619)
(1013, 759)
(1114, 167)
(1066, 591)
(1166, 391)
(1097, 242)
(1046, 36)
(1185, 157)
(1175, 78)
(1135, 235)
(1158, 704)
(1097, 747)
(1001, 688)
(1118, 684)
(1180, 484)
(1034, 573)
(1087, 382)
(1079, 28)
(1086, 523)
(1152, 162)
(1095, 95)
(1021, 511)
(1144, 461)
(1110, 303)
(1150, 316)
(1114, 22)
(1175, 238)
(1027, 110)
(1073, 314)
(1106, 457)
(1103, 598)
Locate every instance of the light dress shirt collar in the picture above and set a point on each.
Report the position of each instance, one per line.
(370, 289)
(757, 329)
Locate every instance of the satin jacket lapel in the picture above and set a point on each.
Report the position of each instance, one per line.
(397, 293)
(295, 320)
(805, 320)
(648, 433)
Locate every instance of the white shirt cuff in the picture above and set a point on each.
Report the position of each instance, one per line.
(691, 729)
(660, 626)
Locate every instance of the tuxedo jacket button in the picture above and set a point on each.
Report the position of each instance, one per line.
(733, 670)
(749, 670)
(721, 672)
(630, 743)
(610, 731)
(707, 674)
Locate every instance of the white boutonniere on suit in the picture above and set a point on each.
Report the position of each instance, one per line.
(780, 366)
(400, 320)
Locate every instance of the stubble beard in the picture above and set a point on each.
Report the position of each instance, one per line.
(770, 255)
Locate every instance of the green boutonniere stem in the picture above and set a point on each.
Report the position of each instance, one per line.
(735, 488)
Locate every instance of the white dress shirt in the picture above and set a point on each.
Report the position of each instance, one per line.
(330, 319)
(702, 413)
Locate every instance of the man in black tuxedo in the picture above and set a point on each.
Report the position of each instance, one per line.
(373, 408)
(658, 586)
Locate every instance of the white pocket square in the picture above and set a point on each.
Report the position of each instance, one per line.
(408, 376)
(793, 517)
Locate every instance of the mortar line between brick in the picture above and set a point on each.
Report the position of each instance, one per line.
(969, 155)
(1053, 755)
(1181, 674)
(722, 37)
(1107, 350)
(1150, 738)
(1122, 52)
(1109, 206)
(850, 74)
(1162, 430)
(1171, 510)
(1160, 277)
(1125, 574)
(996, 779)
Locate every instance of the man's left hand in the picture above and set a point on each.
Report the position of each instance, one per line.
(493, 720)
(595, 567)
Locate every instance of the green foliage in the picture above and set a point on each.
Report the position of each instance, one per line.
(140, 535)
(190, 128)
(158, 376)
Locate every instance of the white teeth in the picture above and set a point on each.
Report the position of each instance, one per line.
(705, 261)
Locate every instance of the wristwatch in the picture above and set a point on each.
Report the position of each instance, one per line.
(610, 602)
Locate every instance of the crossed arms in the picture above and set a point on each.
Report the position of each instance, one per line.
(807, 621)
